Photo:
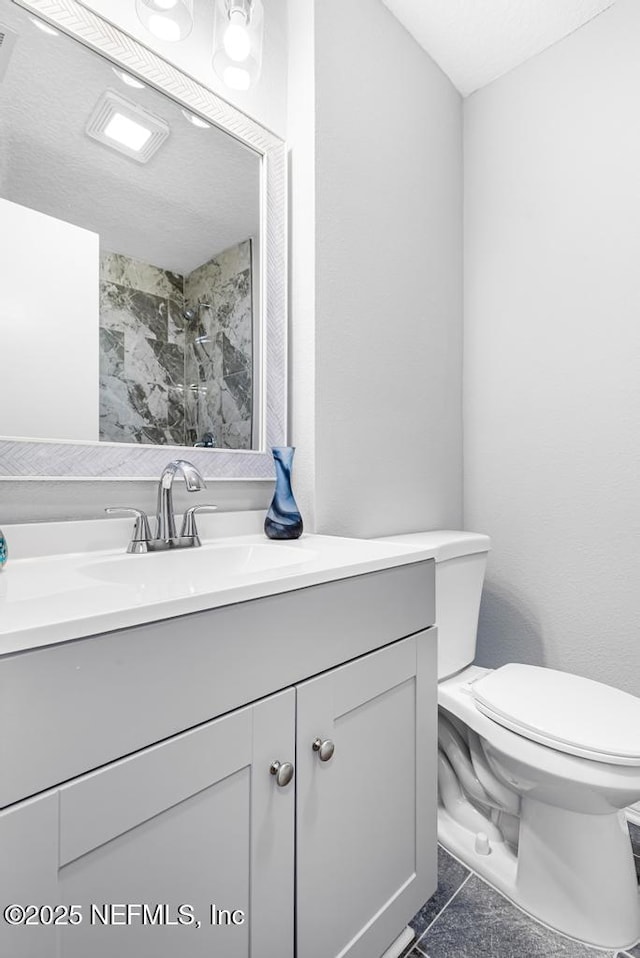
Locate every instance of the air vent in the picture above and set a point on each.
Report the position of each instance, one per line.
(7, 42)
(127, 127)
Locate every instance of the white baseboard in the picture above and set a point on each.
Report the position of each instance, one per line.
(401, 942)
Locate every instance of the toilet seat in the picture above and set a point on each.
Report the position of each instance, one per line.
(562, 711)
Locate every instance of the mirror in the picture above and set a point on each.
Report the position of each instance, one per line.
(139, 235)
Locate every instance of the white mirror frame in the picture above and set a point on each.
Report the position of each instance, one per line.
(22, 458)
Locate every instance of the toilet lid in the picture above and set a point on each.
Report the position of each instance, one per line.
(563, 711)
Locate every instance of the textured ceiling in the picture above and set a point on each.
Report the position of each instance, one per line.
(476, 41)
(198, 195)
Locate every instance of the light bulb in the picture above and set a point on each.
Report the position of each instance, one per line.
(196, 120)
(163, 28)
(169, 20)
(237, 78)
(128, 79)
(236, 40)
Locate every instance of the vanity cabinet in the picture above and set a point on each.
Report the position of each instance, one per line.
(197, 820)
(200, 820)
(366, 816)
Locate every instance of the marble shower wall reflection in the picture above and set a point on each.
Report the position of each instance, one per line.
(141, 352)
(219, 348)
(168, 380)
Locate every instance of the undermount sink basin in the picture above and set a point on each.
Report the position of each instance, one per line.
(198, 569)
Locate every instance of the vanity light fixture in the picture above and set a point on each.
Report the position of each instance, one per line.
(237, 42)
(44, 27)
(196, 120)
(127, 127)
(170, 20)
(128, 80)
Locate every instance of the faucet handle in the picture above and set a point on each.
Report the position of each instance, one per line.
(189, 527)
(141, 532)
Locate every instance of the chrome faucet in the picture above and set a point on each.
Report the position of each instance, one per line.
(165, 531)
(165, 517)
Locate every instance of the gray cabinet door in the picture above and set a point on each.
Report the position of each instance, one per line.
(366, 818)
(189, 834)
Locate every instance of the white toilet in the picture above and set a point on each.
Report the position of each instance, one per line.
(534, 768)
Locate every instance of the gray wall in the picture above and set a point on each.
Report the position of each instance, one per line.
(301, 140)
(552, 352)
(384, 357)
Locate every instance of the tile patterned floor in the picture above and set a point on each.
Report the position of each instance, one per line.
(466, 918)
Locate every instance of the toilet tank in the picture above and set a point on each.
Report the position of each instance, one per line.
(461, 559)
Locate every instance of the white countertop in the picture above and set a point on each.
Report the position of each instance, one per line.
(51, 598)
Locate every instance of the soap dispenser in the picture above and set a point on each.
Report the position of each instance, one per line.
(4, 552)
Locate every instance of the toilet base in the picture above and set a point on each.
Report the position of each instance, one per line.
(573, 872)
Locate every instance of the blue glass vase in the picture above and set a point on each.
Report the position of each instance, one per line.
(4, 552)
(283, 519)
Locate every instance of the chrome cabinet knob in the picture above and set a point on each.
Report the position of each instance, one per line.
(283, 772)
(324, 749)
